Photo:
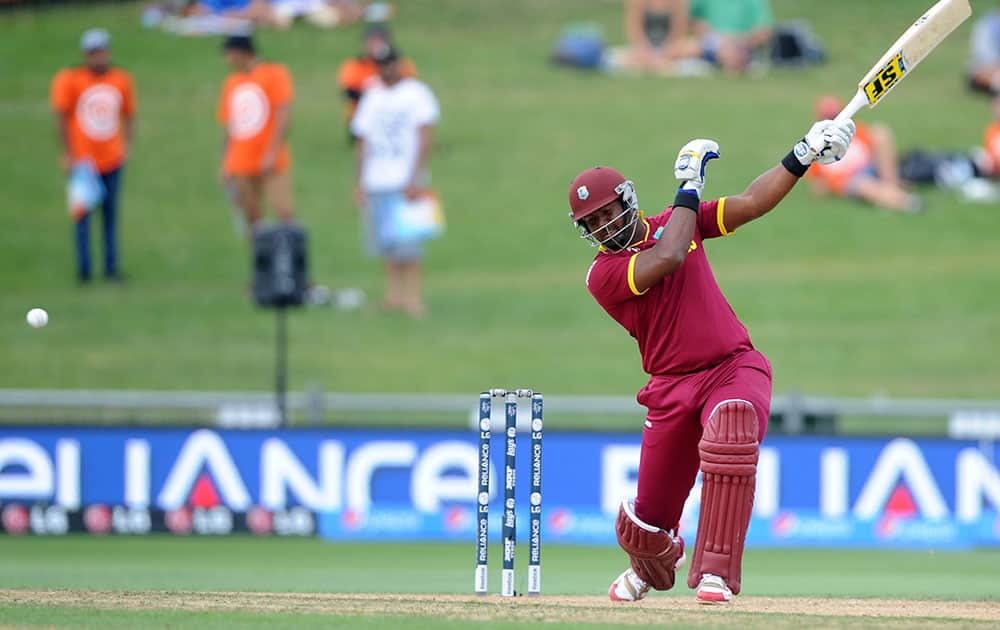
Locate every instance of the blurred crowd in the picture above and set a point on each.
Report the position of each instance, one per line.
(389, 117)
(213, 17)
(666, 35)
(689, 38)
(693, 38)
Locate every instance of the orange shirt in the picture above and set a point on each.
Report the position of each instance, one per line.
(356, 74)
(991, 143)
(96, 105)
(860, 156)
(247, 110)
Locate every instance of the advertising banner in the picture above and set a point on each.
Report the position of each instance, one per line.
(355, 484)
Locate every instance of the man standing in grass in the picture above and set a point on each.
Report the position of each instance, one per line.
(393, 126)
(709, 391)
(255, 109)
(95, 109)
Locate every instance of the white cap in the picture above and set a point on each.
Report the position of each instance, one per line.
(95, 39)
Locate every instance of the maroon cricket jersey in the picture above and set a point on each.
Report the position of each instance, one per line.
(683, 324)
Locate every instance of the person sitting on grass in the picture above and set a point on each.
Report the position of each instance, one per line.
(727, 33)
(256, 11)
(654, 29)
(869, 171)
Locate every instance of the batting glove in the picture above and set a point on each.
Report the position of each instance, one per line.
(826, 142)
(690, 165)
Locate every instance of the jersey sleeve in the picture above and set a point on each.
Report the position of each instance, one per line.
(426, 111)
(347, 76)
(60, 96)
(712, 219)
(611, 281)
(361, 122)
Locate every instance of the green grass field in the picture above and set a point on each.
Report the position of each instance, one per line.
(122, 582)
(845, 300)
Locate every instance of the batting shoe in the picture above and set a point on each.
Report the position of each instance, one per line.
(628, 587)
(713, 590)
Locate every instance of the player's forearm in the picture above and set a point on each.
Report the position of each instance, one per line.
(673, 244)
(760, 197)
(826, 140)
(667, 256)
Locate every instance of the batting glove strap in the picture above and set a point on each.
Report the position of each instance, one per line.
(687, 199)
(792, 162)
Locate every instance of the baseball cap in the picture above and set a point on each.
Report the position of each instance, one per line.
(238, 42)
(385, 53)
(95, 39)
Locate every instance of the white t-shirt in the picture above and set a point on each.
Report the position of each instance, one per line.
(389, 120)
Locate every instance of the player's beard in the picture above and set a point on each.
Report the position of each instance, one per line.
(623, 237)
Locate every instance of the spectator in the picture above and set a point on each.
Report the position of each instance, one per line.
(255, 109)
(281, 13)
(393, 126)
(984, 65)
(654, 30)
(324, 13)
(868, 171)
(990, 155)
(731, 32)
(95, 112)
(357, 73)
(254, 11)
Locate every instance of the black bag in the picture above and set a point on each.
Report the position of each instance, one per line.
(794, 44)
(947, 169)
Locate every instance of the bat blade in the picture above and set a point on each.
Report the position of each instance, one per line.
(910, 49)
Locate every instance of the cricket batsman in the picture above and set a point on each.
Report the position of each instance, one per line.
(709, 392)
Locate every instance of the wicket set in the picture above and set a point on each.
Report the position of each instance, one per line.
(509, 522)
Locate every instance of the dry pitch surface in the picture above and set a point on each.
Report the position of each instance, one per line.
(747, 612)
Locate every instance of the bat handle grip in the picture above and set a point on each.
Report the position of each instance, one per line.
(859, 101)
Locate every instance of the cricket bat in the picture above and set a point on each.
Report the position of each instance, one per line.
(917, 42)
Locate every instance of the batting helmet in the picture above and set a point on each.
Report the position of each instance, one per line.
(596, 187)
